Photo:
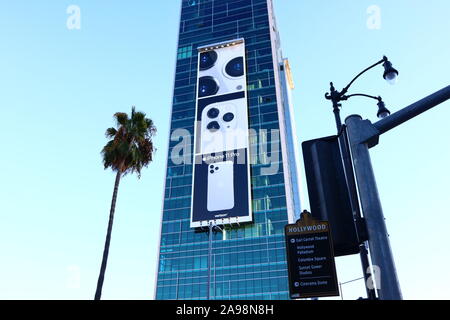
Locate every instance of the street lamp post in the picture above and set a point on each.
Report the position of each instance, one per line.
(362, 136)
(210, 240)
(212, 227)
(390, 75)
(380, 249)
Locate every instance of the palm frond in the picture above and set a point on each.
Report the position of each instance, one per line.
(110, 132)
(131, 147)
(151, 129)
(121, 118)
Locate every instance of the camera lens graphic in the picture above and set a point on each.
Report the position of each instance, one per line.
(228, 117)
(213, 126)
(235, 67)
(207, 60)
(213, 113)
(207, 86)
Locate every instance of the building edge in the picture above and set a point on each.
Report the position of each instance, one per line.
(167, 163)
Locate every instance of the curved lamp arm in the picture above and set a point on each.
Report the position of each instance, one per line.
(359, 74)
(383, 112)
(361, 95)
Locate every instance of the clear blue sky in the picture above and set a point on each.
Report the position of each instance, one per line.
(59, 89)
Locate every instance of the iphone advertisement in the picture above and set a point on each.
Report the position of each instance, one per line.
(221, 191)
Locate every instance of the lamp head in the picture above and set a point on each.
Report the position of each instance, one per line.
(390, 73)
(383, 112)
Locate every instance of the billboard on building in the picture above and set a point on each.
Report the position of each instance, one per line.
(221, 186)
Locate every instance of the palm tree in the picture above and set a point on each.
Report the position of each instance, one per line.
(129, 150)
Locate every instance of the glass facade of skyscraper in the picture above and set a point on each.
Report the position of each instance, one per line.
(248, 261)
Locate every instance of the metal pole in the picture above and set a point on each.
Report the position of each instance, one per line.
(380, 249)
(337, 117)
(209, 260)
(351, 186)
(368, 281)
(413, 110)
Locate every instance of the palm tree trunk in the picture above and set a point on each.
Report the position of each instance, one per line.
(101, 277)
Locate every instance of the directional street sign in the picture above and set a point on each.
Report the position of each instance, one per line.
(312, 271)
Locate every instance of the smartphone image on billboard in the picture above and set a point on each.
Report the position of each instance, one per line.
(224, 126)
(220, 186)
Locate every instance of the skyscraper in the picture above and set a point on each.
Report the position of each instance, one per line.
(247, 260)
